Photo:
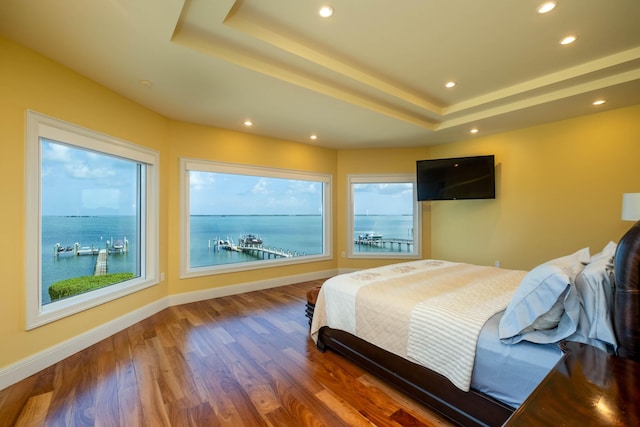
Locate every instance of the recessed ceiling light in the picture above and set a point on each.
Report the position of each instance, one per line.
(326, 11)
(568, 40)
(474, 130)
(313, 137)
(248, 123)
(450, 84)
(599, 102)
(547, 7)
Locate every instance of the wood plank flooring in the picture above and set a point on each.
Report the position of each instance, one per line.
(242, 360)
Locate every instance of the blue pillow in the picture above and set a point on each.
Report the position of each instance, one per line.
(545, 308)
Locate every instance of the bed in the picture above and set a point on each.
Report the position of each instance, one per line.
(599, 306)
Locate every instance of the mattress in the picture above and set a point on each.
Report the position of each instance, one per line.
(427, 311)
(510, 372)
(442, 315)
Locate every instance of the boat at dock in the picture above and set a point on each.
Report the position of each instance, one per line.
(59, 249)
(118, 247)
(249, 240)
(227, 245)
(370, 236)
(251, 244)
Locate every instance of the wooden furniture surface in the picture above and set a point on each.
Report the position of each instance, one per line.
(588, 387)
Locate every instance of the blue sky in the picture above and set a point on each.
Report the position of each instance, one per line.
(227, 194)
(383, 199)
(81, 182)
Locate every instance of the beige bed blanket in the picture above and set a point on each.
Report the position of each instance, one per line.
(427, 311)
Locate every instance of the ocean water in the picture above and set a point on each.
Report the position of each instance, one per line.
(294, 233)
(87, 231)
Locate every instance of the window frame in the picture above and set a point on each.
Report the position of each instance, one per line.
(191, 164)
(417, 217)
(42, 126)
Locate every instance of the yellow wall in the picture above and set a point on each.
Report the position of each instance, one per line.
(29, 81)
(559, 188)
(35, 83)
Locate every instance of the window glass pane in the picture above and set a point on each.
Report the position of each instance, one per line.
(383, 218)
(91, 220)
(236, 218)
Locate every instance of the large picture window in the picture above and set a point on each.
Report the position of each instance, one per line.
(237, 217)
(91, 218)
(384, 220)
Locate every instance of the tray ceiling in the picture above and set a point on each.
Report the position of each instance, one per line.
(371, 75)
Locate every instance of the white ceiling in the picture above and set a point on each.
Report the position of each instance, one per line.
(372, 75)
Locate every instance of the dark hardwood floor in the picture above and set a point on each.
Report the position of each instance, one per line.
(242, 360)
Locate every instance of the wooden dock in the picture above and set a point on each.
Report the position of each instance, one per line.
(257, 250)
(112, 247)
(262, 252)
(101, 263)
(382, 243)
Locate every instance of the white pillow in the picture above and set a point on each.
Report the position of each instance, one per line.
(595, 289)
(548, 285)
(607, 252)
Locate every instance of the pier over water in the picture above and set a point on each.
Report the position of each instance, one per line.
(102, 254)
(262, 252)
(101, 263)
(252, 246)
(382, 242)
(111, 247)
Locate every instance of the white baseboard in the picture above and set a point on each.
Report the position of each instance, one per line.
(22, 369)
(347, 270)
(224, 291)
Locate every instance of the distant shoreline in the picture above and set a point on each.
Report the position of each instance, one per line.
(87, 216)
(255, 215)
(223, 215)
(220, 215)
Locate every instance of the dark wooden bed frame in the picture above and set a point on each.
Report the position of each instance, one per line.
(474, 408)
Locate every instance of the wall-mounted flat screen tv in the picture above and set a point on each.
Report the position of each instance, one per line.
(456, 178)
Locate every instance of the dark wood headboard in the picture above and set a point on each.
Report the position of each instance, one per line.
(626, 312)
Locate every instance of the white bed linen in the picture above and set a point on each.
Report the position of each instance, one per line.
(438, 310)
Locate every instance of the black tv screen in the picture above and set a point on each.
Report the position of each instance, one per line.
(456, 178)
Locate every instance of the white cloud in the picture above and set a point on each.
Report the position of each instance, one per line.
(75, 178)
(199, 181)
(261, 187)
(295, 187)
